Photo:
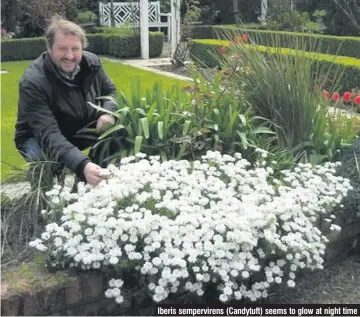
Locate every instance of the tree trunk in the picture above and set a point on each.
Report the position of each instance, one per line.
(264, 7)
(112, 17)
(236, 11)
(292, 6)
(13, 15)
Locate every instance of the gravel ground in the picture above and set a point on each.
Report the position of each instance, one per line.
(337, 284)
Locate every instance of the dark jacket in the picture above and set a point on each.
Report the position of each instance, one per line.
(53, 109)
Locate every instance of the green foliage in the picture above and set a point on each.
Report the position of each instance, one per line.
(22, 49)
(200, 31)
(20, 216)
(129, 46)
(207, 52)
(86, 17)
(319, 16)
(293, 21)
(123, 44)
(281, 85)
(334, 45)
(156, 43)
(186, 123)
(117, 31)
(192, 12)
(298, 22)
(350, 168)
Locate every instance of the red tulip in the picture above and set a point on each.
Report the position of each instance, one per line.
(326, 94)
(245, 37)
(336, 96)
(222, 49)
(357, 100)
(347, 96)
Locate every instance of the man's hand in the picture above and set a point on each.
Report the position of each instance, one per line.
(104, 122)
(92, 173)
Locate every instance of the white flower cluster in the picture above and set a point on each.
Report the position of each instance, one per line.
(184, 224)
(114, 290)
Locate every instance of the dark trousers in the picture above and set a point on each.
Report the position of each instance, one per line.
(99, 153)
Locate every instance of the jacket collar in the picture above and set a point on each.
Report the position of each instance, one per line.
(88, 63)
(73, 74)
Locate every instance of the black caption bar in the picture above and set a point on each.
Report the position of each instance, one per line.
(258, 310)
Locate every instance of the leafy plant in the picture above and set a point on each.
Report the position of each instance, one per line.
(283, 89)
(230, 118)
(299, 22)
(177, 223)
(350, 168)
(21, 210)
(185, 123)
(86, 17)
(150, 121)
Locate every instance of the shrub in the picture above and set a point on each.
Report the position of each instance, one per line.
(283, 88)
(156, 43)
(181, 226)
(99, 43)
(112, 30)
(328, 44)
(86, 17)
(124, 44)
(22, 49)
(207, 52)
(298, 22)
(201, 32)
(333, 45)
(350, 168)
(186, 123)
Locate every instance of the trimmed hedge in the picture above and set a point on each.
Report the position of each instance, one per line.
(22, 49)
(201, 32)
(124, 45)
(207, 52)
(328, 44)
(113, 30)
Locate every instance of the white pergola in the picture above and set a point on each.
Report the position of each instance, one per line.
(144, 26)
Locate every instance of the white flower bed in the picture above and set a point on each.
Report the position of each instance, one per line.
(185, 224)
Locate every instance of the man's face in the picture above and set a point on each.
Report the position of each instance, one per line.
(66, 51)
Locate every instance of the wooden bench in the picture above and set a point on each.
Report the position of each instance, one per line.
(128, 13)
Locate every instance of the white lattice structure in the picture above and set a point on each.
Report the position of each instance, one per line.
(129, 13)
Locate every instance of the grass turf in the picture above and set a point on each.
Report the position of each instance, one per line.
(122, 76)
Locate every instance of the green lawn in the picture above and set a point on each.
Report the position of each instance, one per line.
(122, 75)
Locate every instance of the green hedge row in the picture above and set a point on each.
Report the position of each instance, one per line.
(333, 45)
(207, 52)
(124, 45)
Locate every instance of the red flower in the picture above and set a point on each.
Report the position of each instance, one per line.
(336, 96)
(326, 94)
(245, 37)
(347, 96)
(236, 39)
(357, 100)
(222, 49)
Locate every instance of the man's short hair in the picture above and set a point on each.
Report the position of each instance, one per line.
(66, 27)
